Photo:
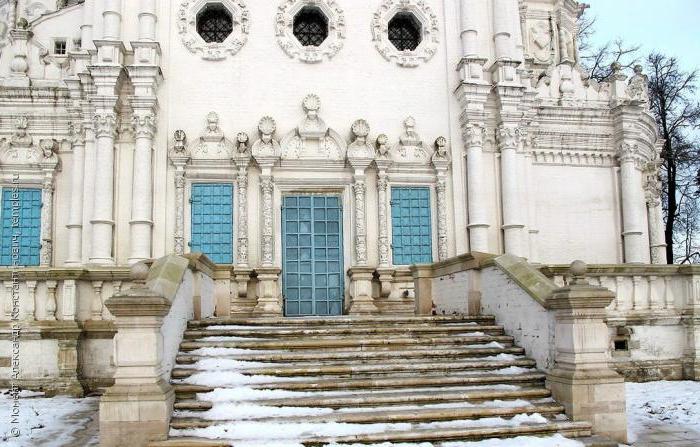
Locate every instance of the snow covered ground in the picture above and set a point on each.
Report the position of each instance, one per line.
(50, 422)
(653, 405)
(62, 421)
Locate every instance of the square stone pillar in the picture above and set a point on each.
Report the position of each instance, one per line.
(361, 300)
(582, 380)
(269, 296)
(137, 409)
(423, 283)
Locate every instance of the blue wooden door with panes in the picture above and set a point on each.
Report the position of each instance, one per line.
(411, 225)
(21, 226)
(212, 221)
(312, 255)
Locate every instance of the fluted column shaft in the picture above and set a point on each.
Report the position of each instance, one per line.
(142, 187)
(75, 222)
(477, 207)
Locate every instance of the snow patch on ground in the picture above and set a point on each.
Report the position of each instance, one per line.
(652, 404)
(56, 421)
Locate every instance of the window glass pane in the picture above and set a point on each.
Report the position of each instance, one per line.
(212, 221)
(21, 226)
(411, 232)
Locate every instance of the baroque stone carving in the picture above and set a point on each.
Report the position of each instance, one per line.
(384, 247)
(360, 190)
(541, 42)
(430, 30)
(21, 150)
(5, 10)
(267, 145)
(313, 139)
(311, 54)
(180, 144)
(179, 212)
(267, 188)
(382, 147)
(359, 148)
(441, 193)
(144, 125)
(638, 87)
(242, 183)
(212, 144)
(213, 51)
(105, 125)
(508, 137)
(410, 146)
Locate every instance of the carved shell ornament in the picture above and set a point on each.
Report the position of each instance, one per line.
(213, 51)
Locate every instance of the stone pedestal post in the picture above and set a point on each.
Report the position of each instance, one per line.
(423, 283)
(269, 295)
(138, 407)
(361, 300)
(582, 381)
(691, 321)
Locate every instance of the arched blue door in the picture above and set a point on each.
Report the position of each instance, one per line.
(312, 255)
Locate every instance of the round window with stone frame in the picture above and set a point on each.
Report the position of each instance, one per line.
(213, 29)
(406, 32)
(310, 30)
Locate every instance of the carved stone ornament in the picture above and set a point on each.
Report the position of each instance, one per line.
(638, 88)
(212, 144)
(311, 54)
(4, 23)
(213, 51)
(430, 31)
(21, 150)
(410, 146)
(360, 148)
(180, 143)
(313, 139)
(541, 42)
(383, 147)
(267, 146)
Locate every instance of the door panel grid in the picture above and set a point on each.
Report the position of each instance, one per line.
(212, 221)
(27, 209)
(312, 255)
(411, 225)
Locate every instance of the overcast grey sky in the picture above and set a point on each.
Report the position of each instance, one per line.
(669, 26)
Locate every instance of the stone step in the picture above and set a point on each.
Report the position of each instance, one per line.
(341, 370)
(289, 331)
(411, 397)
(187, 391)
(193, 405)
(453, 353)
(423, 381)
(190, 442)
(360, 344)
(422, 415)
(343, 320)
(569, 429)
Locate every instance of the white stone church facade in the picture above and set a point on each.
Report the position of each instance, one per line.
(313, 149)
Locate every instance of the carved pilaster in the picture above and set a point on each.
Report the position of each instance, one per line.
(179, 212)
(441, 192)
(384, 246)
(360, 191)
(243, 216)
(267, 188)
(46, 254)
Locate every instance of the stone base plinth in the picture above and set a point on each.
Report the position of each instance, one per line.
(269, 296)
(135, 415)
(361, 300)
(595, 396)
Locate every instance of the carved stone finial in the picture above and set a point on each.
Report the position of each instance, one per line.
(311, 104)
(22, 23)
(242, 140)
(578, 270)
(638, 88)
(383, 146)
(267, 127)
(21, 138)
(360, 129)
(180, 141)
(139, 272)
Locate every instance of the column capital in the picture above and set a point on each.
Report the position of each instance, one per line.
(508, 137)
(144, 124)
(105, 125)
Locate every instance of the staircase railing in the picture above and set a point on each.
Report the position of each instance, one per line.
(151, 318)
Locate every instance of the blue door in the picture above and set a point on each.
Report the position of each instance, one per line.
(21, 226)
(411, 225)
(212, 221)
(312, 255)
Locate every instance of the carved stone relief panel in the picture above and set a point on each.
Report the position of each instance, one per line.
(313, 139)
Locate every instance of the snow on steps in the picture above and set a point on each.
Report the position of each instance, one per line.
(416, 381)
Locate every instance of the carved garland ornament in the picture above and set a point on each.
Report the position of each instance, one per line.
(213, 51)
(430, 31)
(311, 54)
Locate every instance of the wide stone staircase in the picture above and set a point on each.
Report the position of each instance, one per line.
(377, 380)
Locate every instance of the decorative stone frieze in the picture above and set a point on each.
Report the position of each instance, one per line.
(430, 31)
(310, 54)
(313, 139)
(213, 51)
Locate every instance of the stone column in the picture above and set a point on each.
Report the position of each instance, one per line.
(476, 198)
(633, 205)
(242, 210)
(138, 407)
(505, 20)
(105, 126)
(75, 219)
(142, 186)
(46, 254)
(359, 189)
(657, 240)
(513, 226)
(269, 293)
(86, 27)
(582, 381)
(385, 271)
(179, 157)
(441, 163)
